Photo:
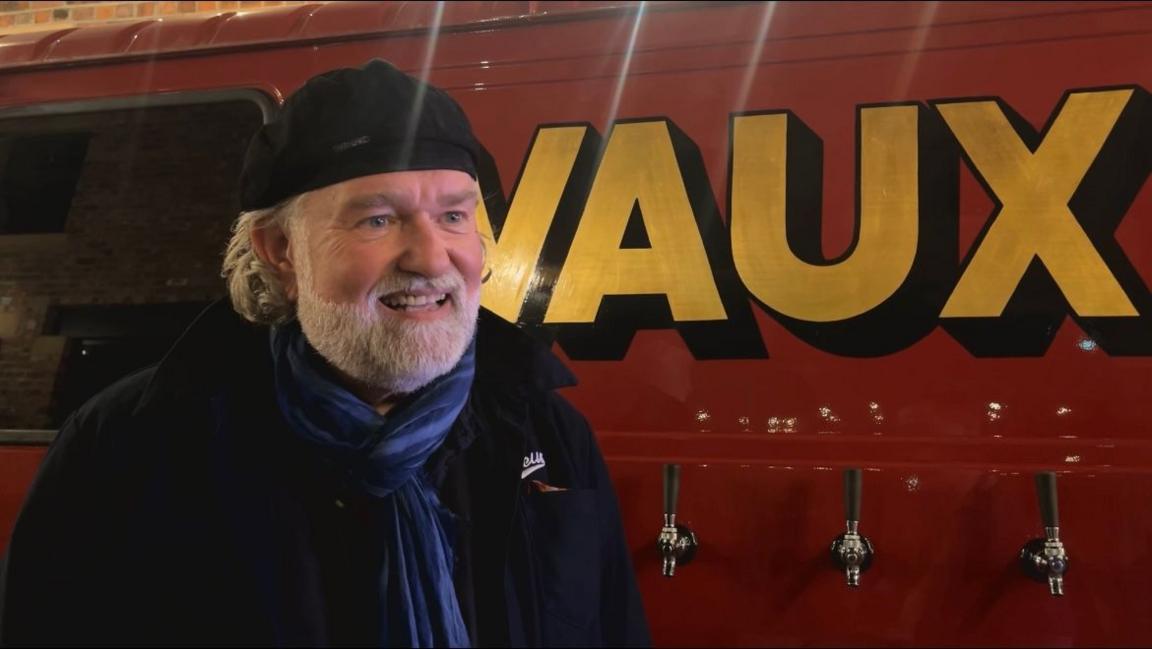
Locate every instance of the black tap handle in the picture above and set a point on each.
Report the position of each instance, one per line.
(852, 484)
(671, 487)
(1046, 494)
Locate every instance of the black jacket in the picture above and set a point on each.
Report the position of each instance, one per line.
(151, 523)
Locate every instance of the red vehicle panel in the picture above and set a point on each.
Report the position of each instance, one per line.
(780, 240)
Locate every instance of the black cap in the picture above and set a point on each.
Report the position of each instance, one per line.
(355, 122)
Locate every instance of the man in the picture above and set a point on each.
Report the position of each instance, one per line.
(353, 461)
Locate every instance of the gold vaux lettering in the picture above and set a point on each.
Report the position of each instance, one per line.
(639, 166)
(887, 230)
(1035, 221)
(513, 258)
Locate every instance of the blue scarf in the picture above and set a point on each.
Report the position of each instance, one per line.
(385, 456)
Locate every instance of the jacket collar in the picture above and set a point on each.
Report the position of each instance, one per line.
(510, 356)
(220, 348)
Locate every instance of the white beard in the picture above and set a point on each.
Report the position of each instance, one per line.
(396, 355)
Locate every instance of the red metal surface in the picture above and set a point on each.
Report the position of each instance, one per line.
(336, 20)
(17, 467)
(945, 571)
(947, 489)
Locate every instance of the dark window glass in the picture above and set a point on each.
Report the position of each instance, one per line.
(39, 179)
(146, 195)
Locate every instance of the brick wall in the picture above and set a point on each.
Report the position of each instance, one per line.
(28, 15)
(148, 224)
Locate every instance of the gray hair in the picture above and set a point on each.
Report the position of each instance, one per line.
(256, 290)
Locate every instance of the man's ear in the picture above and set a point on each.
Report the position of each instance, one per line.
(273, 246)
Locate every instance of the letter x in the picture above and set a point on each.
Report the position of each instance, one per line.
(1035, 222)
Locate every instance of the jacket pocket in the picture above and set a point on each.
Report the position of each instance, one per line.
(566, 547)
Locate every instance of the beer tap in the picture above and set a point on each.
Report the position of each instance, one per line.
(1044, 559)
(850, 551)
(677, 544)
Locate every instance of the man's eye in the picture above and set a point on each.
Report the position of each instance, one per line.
(458, 221)
(377, 222)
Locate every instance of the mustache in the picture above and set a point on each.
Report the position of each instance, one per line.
(451, 283)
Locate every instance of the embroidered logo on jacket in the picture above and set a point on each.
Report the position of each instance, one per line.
(533, 462)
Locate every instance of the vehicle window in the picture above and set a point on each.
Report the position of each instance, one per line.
(112, 228)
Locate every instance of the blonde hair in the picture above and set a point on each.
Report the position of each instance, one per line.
(256, 290)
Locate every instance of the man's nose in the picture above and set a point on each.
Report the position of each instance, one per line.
(425, 250)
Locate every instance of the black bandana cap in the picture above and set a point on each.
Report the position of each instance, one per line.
(355, 122)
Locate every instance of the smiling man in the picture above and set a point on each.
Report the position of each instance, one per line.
(350, 451)
(386, 279)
